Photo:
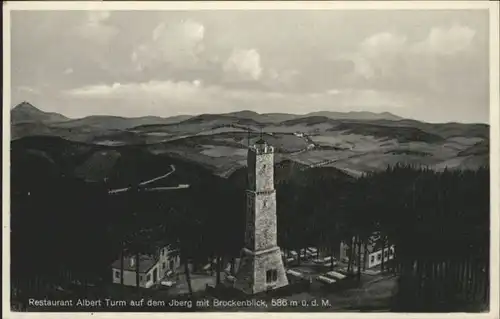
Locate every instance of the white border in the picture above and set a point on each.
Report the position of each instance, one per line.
(245, 5)
(493, 8)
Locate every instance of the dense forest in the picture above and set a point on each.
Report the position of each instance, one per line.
(64, 229)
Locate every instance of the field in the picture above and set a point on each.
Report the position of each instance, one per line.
(218, 142)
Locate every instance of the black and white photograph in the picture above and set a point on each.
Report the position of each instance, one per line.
(258, 157)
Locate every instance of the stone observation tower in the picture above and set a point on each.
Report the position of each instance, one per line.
(261, 265)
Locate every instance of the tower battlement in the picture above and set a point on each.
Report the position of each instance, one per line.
(261, 147)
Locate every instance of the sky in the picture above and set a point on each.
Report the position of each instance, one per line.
(430, 65)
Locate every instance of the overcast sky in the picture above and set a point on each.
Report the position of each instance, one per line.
(427, 65)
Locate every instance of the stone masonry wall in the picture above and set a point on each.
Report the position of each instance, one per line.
(265, 221)
(260, 171)
(245, 274)
(264, 168)
(250, 221)
(251, 171)
(269, 261)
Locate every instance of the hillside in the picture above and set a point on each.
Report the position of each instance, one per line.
(364, 116)
(121, 123)
(27, 120)
(282, 117)
(126, 165)
(218, 142)
(205, 120)
(262, 118)
(288, 171)
(27, 113)
(480, 148)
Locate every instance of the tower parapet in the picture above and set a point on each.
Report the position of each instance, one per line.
(261, 147)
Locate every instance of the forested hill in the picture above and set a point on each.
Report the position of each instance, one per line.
(60, 200)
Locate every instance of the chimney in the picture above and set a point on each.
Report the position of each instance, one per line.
(132, 261)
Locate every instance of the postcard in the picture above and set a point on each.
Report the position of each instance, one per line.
(251, 158)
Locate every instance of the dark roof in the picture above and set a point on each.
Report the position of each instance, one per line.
(374, 244)
(145, 264)
(377, 246)
(260, 142)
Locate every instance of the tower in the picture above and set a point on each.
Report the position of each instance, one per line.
(261, 265)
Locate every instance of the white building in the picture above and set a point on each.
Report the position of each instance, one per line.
(152, 268)
(374, 255)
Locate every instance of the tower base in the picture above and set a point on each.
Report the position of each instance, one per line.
(260, 271)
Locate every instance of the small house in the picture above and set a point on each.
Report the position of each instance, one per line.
(374, 255)
(152, 268)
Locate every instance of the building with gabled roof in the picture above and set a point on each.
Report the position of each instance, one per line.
(376, 251)
(152, 267)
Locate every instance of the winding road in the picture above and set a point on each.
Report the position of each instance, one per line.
(144, 183)
(172, 170)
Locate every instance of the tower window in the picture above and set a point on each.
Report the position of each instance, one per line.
(263, 168)
(271, 275)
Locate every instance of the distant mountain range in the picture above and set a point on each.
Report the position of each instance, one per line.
(27, 113)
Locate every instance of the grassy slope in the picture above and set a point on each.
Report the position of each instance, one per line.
(122, 165)
(218, 142)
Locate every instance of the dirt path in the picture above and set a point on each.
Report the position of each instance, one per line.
(120, 190)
